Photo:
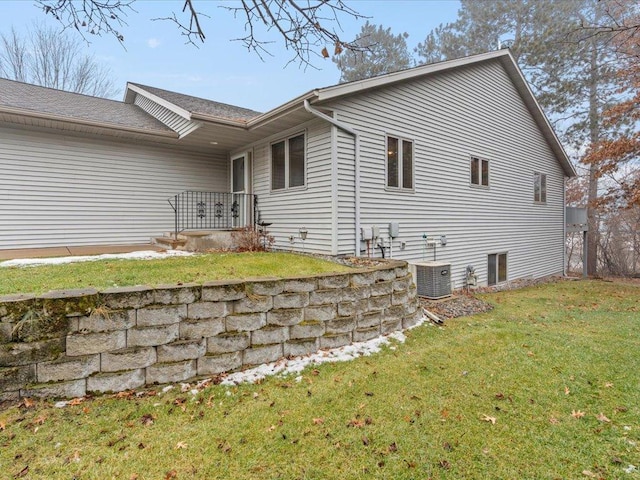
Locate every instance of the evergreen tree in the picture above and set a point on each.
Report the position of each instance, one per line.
(382, 52)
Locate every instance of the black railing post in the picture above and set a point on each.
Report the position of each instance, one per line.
(175, 214)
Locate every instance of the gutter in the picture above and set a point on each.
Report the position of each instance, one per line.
(346, 128)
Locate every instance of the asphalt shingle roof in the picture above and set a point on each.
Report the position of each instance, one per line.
(75, 106)
(201, 105)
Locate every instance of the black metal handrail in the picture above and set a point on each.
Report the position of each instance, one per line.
(212, 210)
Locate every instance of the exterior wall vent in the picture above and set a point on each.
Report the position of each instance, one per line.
(433, 279)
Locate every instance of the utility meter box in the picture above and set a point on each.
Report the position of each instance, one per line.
(394, 229)
(366, 233)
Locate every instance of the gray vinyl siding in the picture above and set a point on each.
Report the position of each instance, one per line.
(346, 193)
(59, 190)
(450, 117)
(309, 207)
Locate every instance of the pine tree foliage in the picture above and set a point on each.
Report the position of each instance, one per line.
(381, 52)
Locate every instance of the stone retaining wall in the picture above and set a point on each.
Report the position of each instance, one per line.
(68, 343)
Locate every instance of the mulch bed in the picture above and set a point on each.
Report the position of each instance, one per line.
(463, 304)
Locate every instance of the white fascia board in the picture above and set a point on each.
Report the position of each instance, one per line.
(330, 93)
(219, 121)
(160, 101)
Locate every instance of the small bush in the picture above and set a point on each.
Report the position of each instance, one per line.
(250, 239)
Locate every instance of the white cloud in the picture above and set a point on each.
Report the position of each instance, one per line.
(153, 43)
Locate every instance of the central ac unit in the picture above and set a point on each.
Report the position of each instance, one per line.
(433, 279)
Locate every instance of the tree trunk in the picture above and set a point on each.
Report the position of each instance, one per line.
(594, 136)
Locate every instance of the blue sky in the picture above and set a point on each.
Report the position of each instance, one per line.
(221, 69)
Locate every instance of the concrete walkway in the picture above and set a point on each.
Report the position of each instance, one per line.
(73, 251)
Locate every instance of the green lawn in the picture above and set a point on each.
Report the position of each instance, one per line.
(198, 268)
(545, 386)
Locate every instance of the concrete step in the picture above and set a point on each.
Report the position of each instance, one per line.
(169, 242)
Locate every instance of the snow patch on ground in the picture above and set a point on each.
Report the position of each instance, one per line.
(142, 255)
(287, 366)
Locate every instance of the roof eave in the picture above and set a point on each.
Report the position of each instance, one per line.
(330, 93)
(219, 120)
(507, 60)
(284, 109)
(88, 123)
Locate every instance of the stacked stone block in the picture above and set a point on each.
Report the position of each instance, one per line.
(66, 344)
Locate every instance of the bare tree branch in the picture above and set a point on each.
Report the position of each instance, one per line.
(307, 27)
(93, 17)
(47, 58)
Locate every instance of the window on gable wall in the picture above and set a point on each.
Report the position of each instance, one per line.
(479, 171)
(288, 163)
(399, 163)
(539, 187)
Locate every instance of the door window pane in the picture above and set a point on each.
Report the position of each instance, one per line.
(238, 174)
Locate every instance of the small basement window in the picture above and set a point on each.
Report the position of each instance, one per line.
(288, 163)
(479, 171)
(497, 268)
(539, 187)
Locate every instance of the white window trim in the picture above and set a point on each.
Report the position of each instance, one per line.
(286, 139)
(399, 188)
(479, 185)
(537, 178)
(497, 254)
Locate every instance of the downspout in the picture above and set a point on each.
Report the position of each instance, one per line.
(564, 228)
(356, 137)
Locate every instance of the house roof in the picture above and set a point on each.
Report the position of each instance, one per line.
(503, 56)
(37, 101)
(200, 106)
(237, 125)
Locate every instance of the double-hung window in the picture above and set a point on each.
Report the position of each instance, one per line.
(479, 171)
(399, 163)
(288, 163)
(539, 187)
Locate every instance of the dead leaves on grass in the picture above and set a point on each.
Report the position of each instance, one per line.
(487, 418)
